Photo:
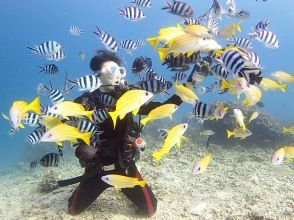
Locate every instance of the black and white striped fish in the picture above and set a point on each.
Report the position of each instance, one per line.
(128, 45)
(140, 42)
(106, 100)
(143, 3)
(181, 61)
(31, 119)
(263, 25)
(268, 38)
(58, 56)
(194, 21)
(181, 9)
(254, 58)
(149, 75)
(219, 71)
(201, 111)
(179, 76)
(50, 160)
(140, 63)
(45, 49)
(49, 69)
(197, 76)
(212, 25)
(154, 86)
(100, 115)
(84, 125)
(240, 14)
(107, 40)
(86, 83)
(131, 13)
(36, 135)
(55, 95)
(33, 164)
(241, 42)
(232, 61)
(41, 89)
(45, 111)
(75, 31)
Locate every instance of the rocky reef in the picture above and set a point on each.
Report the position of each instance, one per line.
(48, 182)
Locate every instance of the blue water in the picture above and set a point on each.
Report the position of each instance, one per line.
(25, 23)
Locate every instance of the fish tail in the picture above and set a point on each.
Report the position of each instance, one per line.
(113, 116)
(33, 50)
(143, 183)
(162, 52)
(229, 133)
(224, 84)
(157, 155)
(283, 87)
(153, 41)
(121, 11)
(86, 137)
(285, 130)
(144, 121)
(166, 6)
(99, 32)
(42, 69)
(34, 106)
(89, 114)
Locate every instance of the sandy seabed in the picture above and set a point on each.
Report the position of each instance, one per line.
(240, 183)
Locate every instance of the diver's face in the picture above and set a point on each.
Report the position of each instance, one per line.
(111, 74)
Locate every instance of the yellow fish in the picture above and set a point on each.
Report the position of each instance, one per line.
(197, 30)
(64, 132)
(49, 121)
(165, 35)
(236, 86)
(187, 43)
(120, 182)
(267, 84)
(239, 118)
(185, 93)
(289, 130)
(253, 95)
(230, 30)
(19, 109)
(130, 101)
(283, 77)
(69, 108)
(173, 138)
(253, 116)
(286, 152)
(201, 166)
(162, 111)
(239, 133)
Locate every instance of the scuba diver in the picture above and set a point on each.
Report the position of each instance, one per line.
(115, 151)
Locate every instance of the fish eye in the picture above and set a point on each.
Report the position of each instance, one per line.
(146, 93)
(55, 108)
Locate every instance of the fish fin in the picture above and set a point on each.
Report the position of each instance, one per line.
(157, 155)
(86, 137)
(121, 11)
(34, 106)
(89, 114)
(122, 116)
(283, 87)
(135, 112)
(171, 117)
(143, 183)
(166, 6)
(5, 116)
(224, 84)
(21, 125)
(113, 116)
(153, 41)
(178, 143)
(185, 138)
(117, 189)
(238, 97)
(59, 144)
(229, 133)
(162, 52)
(190, 53)
(144, 121)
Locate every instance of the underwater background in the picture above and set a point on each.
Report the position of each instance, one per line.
(31, 22)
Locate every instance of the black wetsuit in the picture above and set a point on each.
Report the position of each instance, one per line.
(116, 147)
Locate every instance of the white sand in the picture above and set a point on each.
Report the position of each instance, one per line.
(239, 184)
